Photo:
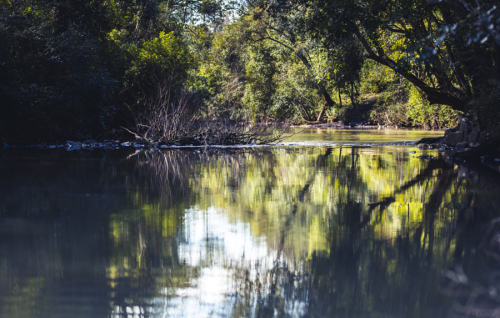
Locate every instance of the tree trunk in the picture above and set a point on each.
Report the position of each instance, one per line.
(319, 86)
(322, 112)
(433, 95)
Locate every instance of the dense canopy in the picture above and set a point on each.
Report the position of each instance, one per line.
(86, 69)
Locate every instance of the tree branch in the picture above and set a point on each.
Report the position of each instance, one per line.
(433, 95)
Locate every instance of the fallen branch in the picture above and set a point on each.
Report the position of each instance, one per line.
(171, 120)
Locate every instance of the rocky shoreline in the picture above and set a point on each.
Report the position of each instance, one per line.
(465, 144)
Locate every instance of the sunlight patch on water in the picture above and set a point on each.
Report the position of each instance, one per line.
(219, 246)
(211, 232)
(311, 137)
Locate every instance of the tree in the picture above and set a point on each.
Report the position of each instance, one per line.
(284, 31)
(447, 49)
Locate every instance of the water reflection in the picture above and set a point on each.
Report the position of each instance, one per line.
(344, 232)
(350, 136)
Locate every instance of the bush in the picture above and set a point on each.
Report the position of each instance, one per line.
(406, 107)
(259, 86)
(294, 98)
(391, 109)
(375, 77)
(428, 116)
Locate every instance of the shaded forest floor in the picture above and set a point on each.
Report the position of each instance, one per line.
(374, 110)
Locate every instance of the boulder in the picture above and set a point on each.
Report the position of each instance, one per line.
(466, 134)
(452, 138)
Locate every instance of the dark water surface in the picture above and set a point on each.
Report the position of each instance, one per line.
(277, 231)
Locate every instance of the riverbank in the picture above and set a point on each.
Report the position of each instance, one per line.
(317, 135)
(341, 125)
(358, 125)
(325, 136)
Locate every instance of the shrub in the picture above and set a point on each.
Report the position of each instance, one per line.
(422, 113)
(375, 77)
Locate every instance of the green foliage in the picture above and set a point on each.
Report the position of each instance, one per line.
(221, 72)
(167, 52)
(375, 77)
(252, 75)
(401, 103)
(259, 86)
(74, 69)
(406, 107)
(445, 48)
(164, 59)
(294, 97)
(82, 69)
(423, 114)
(391, 109)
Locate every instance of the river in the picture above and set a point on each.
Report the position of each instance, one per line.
(330, 223)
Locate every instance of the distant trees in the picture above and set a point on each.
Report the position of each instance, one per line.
(52, 78)
(83, 69)
(278, 74)
(80, 69)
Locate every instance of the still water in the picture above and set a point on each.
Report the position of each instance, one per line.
(357, 136)
(286, 231)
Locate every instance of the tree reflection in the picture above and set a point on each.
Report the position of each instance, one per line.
(344, 232)
(372, 264)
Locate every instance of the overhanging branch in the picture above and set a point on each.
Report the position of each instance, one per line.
(433, 95)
